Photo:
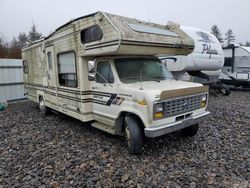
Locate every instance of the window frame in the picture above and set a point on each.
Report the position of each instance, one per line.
(58, 64)
(50, 61)
(88, 29)
(25, 67)
(98, 63)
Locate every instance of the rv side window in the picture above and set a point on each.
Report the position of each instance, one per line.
(25, 67)
(90, 34)
(104, 73)
(49, 56)
(228, 61)
(67, 69)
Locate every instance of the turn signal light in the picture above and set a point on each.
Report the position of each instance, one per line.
(158, 114)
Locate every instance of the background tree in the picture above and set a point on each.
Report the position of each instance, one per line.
(34, 34)
(247, 43)
(22, 39)
(4, 47)
(15, 49)
(215, 30)
(230, 38)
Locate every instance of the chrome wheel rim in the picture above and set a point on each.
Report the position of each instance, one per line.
(223, 91)
(41, 105)
(128, 136)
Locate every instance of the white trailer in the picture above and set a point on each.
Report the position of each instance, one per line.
(236, 70)
(128, 91)
(203, 65)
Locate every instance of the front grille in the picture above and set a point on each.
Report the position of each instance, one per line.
(181, 105)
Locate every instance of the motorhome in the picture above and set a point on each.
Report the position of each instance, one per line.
(103, 69)
(203, 65)
(236, 70)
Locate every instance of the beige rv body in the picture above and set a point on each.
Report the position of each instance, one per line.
(105, 103)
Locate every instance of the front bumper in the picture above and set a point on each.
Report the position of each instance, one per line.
(169, 128)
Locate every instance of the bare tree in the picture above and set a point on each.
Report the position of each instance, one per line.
(15, 49)
(215, 30)
(230, 38)
(4, 47)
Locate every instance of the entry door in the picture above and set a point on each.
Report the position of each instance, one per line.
(104, 92)
(51, 68)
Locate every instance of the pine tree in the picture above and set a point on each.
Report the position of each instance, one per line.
(34, 34)
(22, 39)
(247, 44)
(230, 38)
(215, 30)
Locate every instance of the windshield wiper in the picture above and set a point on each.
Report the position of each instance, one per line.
(130, 78)
(159, 77)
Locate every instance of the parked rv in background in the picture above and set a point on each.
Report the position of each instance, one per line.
(203, 65)
(236, 70)
(103, 69)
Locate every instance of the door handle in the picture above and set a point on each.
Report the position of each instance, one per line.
(94, 87)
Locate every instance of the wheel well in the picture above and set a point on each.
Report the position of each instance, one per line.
(40, 97)
(120, 126)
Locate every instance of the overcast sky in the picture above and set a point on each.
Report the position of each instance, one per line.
(17, 15)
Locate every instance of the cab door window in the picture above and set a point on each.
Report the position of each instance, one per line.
(104, 73)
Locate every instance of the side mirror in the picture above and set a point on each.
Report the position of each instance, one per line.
(91, 77)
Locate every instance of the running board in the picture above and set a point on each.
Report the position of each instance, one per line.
(103, 127)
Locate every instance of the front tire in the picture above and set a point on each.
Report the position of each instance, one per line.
(134, 135)
(44, 109)
(190, 131)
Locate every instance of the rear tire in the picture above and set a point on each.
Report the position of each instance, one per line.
(225, 90)
(190, 131)
(134, 135)
(44, 109)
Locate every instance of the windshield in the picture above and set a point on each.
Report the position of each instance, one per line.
(132, 70)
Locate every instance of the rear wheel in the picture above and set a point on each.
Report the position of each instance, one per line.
(134, 135)
(190, 131)
(44, 109)
(225, 90)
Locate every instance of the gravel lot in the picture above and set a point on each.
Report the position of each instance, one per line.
(58, 151)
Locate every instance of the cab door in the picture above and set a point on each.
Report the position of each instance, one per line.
(104, 92)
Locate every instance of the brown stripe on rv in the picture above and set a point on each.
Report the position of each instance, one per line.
(183, 92)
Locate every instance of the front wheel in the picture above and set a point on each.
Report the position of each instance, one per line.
(190, 131)
(134, 135)
(44, 109)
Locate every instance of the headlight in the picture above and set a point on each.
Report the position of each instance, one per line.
(159, 107)
(158, 110)
(203, 101)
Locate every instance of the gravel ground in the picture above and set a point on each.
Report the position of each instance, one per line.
(58, 151)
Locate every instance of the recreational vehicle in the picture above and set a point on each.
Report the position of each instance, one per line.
(203, 65)
(236, 70)
(103, 69)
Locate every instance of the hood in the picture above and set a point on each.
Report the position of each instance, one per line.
(164, 85)
(152, 90)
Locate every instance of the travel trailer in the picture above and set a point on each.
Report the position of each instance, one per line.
(103, 69)
(236, 70)
(203, 65)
